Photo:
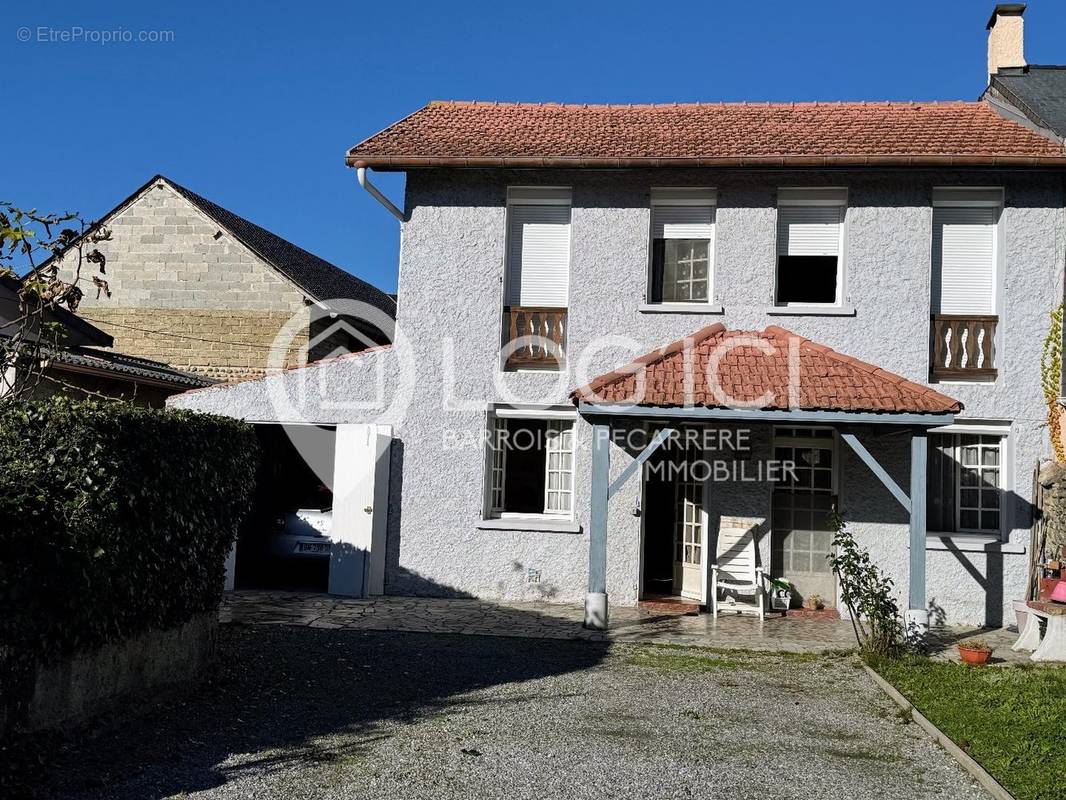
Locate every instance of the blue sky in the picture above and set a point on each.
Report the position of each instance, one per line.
(254, 104)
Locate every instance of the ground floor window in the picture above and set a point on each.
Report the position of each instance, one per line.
(965, 490)
(531, 466)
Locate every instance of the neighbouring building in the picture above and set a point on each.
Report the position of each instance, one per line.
(200, 288)
(1034, 94)
(83, 364)
(860, 290)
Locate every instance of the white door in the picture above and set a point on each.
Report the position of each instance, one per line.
(360, 510)
(688, 538)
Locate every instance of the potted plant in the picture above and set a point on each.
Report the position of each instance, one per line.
(974, 651)
(814, 602)
(780, 594)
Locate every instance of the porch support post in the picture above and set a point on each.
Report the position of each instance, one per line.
(596, 599)
(917, 617)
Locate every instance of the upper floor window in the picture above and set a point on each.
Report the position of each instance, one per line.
(537, 277)
(964, 277)
(964, 250)
(682, 245)
(810, 247)
(538, 247)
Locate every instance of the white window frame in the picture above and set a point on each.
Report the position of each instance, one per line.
(1006, 478)
(825, 196)
(683, 196)
(546, 414)
(536, 196)
(976, 197)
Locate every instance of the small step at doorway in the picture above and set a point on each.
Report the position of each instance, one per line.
(669, 604)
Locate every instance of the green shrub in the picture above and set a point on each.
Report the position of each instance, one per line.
(114, 520)
(867, 595)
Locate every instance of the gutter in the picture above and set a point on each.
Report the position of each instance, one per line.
(362, 163)
(364, 181)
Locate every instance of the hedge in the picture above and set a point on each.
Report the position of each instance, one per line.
(114, 520)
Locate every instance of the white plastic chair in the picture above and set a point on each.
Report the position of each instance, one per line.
(736, 567)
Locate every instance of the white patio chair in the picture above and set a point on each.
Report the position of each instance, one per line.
(736, 567)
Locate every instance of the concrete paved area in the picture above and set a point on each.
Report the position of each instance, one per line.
(334, 714)
(563, 621)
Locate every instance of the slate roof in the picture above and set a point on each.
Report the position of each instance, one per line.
(726, 134)
(316, 276)
(754, 363)
(129, 366)
(1037, 91)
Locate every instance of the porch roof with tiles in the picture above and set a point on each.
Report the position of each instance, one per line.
(773, 370)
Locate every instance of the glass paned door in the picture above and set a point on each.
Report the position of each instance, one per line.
(802, 538)
(688, 537)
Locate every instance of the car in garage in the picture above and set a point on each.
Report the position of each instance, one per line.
(302, 533)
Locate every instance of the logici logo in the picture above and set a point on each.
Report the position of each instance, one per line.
(328, 366)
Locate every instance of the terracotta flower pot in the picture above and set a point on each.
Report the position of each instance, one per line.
(972, 655)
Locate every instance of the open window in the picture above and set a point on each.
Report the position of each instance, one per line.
(682, 246)
(530, 465)
(810, 247)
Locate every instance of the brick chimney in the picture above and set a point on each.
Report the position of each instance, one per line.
(1005, 37)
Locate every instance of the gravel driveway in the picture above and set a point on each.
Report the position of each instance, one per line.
(306, 713)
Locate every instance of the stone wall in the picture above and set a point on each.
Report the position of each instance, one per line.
(187, 293)
(228, 344)
(73, 690)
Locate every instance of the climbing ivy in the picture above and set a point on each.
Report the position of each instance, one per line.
(1051, 381)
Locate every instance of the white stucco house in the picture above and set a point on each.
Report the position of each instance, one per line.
(858, 289)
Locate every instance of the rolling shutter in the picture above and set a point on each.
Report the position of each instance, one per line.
(682, 222)
(538, 255)
(963, 260)
(807, 230)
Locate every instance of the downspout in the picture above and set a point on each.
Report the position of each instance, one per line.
(364, 181)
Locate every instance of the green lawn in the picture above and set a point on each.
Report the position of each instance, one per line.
(1012, 720)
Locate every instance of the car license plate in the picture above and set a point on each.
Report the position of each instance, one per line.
(312, 547)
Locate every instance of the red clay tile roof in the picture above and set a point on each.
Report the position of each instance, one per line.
(754, 363)
(687, 135)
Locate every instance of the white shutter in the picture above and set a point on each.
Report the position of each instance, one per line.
(559, 467)
(682, 222)
(809, 230)
(963, 259)
(498, 467)
(538, 255)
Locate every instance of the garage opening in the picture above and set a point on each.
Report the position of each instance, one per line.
(284, 542)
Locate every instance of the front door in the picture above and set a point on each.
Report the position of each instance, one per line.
(688, 537)
(802, 537)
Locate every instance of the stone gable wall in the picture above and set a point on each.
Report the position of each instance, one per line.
(187, 293)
